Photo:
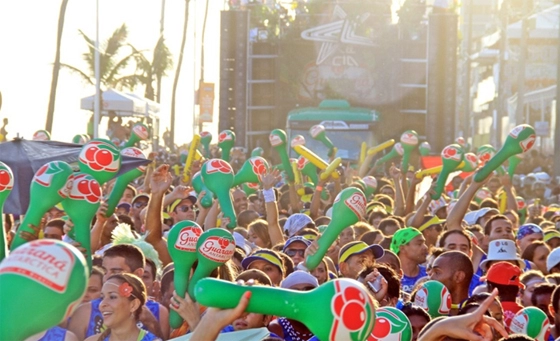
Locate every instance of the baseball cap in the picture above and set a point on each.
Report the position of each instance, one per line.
(472, 217)
(125, 205)
(296, 222)
(553, 259)
(299, 277)
(263, 254)
(433, 221)
(504, 273)
(295, 239)
(550, 234)
(141, 195)
(502, 250)
(176, 203)
(435, 205)
(403, 237)
(358, 247)
(242, 243)
(527, 229)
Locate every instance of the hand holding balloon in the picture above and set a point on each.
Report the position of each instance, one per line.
(451, 157)
(6, 185)
(278, 140)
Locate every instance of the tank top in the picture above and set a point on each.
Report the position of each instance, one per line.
(142, 336)
(289, 332)
(54, 334)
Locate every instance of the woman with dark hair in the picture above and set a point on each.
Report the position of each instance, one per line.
(122, 298)
(258, 234)
(537, 252)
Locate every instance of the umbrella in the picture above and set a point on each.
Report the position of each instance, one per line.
(25, 157)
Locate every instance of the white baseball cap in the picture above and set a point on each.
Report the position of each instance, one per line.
(502, 250)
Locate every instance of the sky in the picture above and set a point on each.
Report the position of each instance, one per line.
(28, 31)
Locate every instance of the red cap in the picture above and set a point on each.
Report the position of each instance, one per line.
(504, 273)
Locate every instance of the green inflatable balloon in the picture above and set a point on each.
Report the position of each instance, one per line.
(101, 159)
(214, 248)
(485, 153)
(463, 143)
(340, 309)
(317, 132)
(41, 135)
(42, 283)
(471, 162)
(81, 205)
(278, 140)
(258, 151)
(226, 140)
(181, 244)
(124, 179)
(394, 153)
(371, 185)
(451, 157)
(199, 186)
(409, 142)
(250, 188)
(80, 139)
(218, 177)
(348, 208)
(425, 148)
(521, 209)
(433, 297)
(391, 324)
(49, 186)
(519, 140)
(531, 321)
(252, 171)
(308, 169)
(139, 133)
(205, 140)
(6, 185)
(513, 162)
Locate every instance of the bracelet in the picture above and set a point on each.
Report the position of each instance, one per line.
(319, 188)
(268, 195)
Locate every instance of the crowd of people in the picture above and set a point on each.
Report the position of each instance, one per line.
(496, 254)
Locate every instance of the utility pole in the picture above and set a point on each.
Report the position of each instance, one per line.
(501, 77)
(467, 86)
(522, 67)
(557, 127)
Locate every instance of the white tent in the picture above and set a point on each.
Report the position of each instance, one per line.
(123, 104)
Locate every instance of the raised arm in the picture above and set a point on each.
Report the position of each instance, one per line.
(274, 230)
(458, 212)
(411, 195)
(399, 194)
(160, 182)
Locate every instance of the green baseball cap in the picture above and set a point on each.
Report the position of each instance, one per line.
(403, 237)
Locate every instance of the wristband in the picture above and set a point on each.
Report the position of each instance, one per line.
(268, 195)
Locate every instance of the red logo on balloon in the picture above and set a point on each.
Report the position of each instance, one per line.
(6, 180)
(349, 307)
(450, 153)
(218, 165)
(224, 137)
(259, 167)
(87, 188)
(381, 329)
(98, 159)
(528, 142)
(301, 162)
(204, 133)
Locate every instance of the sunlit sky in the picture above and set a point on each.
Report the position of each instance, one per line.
(28, 42)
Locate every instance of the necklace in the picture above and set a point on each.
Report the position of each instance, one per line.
(294, 334)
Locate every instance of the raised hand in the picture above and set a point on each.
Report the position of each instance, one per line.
(271, 178)
(161, 179)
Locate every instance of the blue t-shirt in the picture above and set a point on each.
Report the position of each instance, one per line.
(407, 283)
(54, 334)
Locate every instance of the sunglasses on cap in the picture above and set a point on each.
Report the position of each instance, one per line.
(293, 252)
(140, 204)
(186, 208)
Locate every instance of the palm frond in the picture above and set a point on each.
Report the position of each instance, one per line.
(126, 82)
(162, 59)
(116, 41)
(89, 56)
(119, 66)
(78, 71)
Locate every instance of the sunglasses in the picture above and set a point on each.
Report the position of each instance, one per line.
(293, 252)
(186, 208)
(140, 204)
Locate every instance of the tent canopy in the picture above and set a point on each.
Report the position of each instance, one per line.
(123, 104)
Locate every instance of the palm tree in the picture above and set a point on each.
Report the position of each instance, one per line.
(56, 66)
(110, 67)
(162, 62)
(178, 72)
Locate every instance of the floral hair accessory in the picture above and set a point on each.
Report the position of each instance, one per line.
(125, 290)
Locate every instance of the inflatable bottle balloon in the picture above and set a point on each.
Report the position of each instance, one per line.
(252, 171)
(226, 140)
(181, 244)
(485, 153)
(463, 143)
(532, 322)
(54, 273)
(124, 179)
(394, 153)
(365, 165)
(278, 140)
(308, 169)
(470, 162)
(434, 298)
(199, 186)
(317, 132)
(214, 248)
(409, 142)
(81, 205)
(218, 177)
(519, 140)
(250, 188)
(425, 149)
(521, 209)
(139, 133)
(101, 159)
(340, 309)
(187, 169)
(298, 140)
(327, 169)
(6, 185)
(513, 162)
(41, 135)
(451, 157)
(348, 208)
(49, 186)
(80, 139)
(371, 185)
(205, 140)
(391, 324)
(363, 153)
(258, 151)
